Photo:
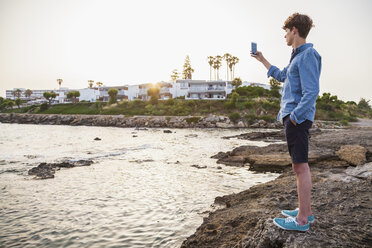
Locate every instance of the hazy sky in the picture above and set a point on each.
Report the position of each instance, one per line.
(133, 42)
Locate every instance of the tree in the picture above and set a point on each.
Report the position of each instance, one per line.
(8, 103)
(153, 92)
(175, 75)
(2, 104)
(236, 82)
(234, 98)
(227, 57)
(211, 63)
(274, 84)
(99, 84)
(18, 102)
(73, 95)
(364, 104)
(187, 69)
(59, 81)
(28, 93)
(50, 96)
(90, 83)
(217, 64)
(233, 62)
(17, 93)
(113, 93)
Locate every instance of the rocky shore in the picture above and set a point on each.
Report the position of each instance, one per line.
(341, 165)
(211, 121)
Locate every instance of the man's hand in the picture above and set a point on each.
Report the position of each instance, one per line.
(258, 55)
(293, 122)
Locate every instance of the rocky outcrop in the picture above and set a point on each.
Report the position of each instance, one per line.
(47, 170)
(338, 147)
(340, 195)
(211, 121)
(342, 213)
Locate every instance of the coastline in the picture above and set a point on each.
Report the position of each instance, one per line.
(211, 121)
(341, 165)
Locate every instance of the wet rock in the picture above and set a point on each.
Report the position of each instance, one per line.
(47, 170)
(192, 135)
(354, 154)
(43, 171)
(198, 166)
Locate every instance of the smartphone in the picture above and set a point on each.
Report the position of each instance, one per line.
(253, 48)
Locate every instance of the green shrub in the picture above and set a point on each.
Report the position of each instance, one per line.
(344, 122)
(43, 107)
(194, 119)
(234, 117)
(169, 102)
(250, 118)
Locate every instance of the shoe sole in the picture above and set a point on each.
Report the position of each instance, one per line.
(287, 215)
(289, 229)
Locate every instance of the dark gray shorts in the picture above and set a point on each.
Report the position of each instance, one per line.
(297, 139)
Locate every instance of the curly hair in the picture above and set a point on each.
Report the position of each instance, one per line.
(303, 23)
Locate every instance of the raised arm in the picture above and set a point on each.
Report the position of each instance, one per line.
(273, 71)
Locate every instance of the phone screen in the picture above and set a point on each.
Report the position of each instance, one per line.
(253, 47)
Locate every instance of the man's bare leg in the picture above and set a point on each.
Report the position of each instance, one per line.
(303, 175)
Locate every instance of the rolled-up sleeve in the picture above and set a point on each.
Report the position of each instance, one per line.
(309, 72)
(276, 73)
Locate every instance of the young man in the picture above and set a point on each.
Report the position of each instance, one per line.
(297, 110)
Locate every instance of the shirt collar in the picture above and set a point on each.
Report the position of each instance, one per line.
(300, 49)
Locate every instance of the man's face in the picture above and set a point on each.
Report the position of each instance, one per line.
(289, 36)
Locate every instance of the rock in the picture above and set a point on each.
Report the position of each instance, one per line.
(47, 170)
(192, 135)
(224, 125)
(275, 162)
(353, 154)
(134, 136)
(96, 138)
(167, 131)
(262, 136)
(240, 124)
(219, 167)
(43, 171)
(198, 167)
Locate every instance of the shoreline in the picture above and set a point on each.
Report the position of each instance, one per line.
(341, 165)
(211, 121)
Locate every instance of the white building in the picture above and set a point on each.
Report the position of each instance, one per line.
(204, 89)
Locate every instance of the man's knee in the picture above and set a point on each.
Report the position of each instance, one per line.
(299, 168)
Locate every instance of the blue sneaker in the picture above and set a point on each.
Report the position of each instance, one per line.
(293, 213)
(290, 223)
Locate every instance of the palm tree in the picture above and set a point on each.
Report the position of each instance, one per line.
(99, 84)
(28, 93)
(59, 81)
(90, 82)
(227, 57)
(234, 61)
(175, 75)
(210, 62)
(17, 93)
(217, 65)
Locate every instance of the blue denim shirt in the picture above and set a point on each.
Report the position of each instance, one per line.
(301, 84)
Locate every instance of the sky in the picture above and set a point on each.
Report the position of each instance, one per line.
(122, 42)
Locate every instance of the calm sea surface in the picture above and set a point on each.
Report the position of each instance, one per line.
(141, 191)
